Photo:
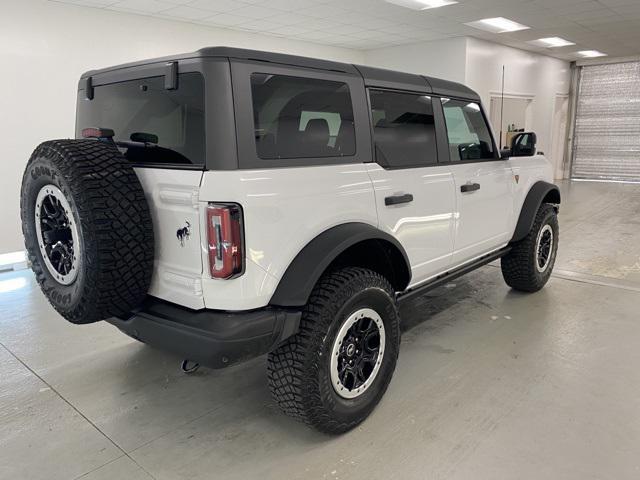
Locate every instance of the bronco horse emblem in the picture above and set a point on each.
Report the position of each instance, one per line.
(184, 233)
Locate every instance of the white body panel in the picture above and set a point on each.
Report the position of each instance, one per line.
(425, 226)
(285, 208)
(485, 216)
(172, 196)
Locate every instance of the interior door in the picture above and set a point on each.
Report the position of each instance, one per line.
(415, 196)
(483, 183)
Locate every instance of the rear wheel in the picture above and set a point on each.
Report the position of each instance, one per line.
(528, 266)
(335, 370)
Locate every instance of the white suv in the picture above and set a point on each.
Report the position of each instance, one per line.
(229, 203)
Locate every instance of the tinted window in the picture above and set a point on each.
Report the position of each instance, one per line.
(403, 129)
(298, 117)
(155, 125)
(469, 137)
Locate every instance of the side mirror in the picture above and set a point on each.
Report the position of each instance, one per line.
(524, 144)
(505, 153)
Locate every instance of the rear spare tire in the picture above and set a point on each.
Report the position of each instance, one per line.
(87, 229)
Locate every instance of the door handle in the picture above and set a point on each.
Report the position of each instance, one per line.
(398, 199)
(469, 187)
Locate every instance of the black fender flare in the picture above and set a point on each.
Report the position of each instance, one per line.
(311, 262)
(539, 192)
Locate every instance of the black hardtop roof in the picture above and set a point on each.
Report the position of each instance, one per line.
(372, 76)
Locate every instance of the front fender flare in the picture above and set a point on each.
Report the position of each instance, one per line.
(311, 262)
(539, 192)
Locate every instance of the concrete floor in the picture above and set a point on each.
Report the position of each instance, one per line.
(491, 384)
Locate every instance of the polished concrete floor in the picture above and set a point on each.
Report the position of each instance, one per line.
(491, 384)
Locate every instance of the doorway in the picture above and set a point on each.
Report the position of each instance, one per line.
(517, 115)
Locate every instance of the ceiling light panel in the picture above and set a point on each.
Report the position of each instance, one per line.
(551, 42)
(422, 4)
(591, 53)
(497, 25)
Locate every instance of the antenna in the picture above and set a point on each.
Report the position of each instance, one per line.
(501, 108)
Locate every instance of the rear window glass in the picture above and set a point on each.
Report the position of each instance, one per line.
(403, 129)
(297, 117)
(152, 125)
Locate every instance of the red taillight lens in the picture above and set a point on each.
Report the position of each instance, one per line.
(225, 236)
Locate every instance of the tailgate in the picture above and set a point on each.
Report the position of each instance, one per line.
(177, 224)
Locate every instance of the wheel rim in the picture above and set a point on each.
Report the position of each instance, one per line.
(544, 248)
(57, 234)
(357, 353)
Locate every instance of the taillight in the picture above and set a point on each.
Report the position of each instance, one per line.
(225, 236)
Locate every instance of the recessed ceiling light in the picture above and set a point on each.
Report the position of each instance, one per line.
(551, 42)
(591, 53)
(497, 25)
(422, 4)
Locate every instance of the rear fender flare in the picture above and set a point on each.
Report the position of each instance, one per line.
(313, 260)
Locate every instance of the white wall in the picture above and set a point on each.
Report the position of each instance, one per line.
(526, 73)
(440, 58)
(45, 46)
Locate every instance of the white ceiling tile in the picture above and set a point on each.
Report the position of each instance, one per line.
(225, 19)
(609, 25)
(288, 30)
(286, 18)
(222, 6)
(144, 6)
(258, 25)
(88, 3)
(255, 11)
(185, 12)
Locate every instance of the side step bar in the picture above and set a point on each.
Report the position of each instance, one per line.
(448, 276)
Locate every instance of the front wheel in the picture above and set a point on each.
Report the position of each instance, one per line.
(528, 266)
(335, 370)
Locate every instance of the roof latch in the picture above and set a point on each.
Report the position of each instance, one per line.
(171, 76)
(88, 88)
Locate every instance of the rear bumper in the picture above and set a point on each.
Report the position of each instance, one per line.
(210, 337)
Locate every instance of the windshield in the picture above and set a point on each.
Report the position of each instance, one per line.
(152, 125)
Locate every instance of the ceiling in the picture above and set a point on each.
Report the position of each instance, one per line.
(611, 26)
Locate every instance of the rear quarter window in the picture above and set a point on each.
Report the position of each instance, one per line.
(297, 117)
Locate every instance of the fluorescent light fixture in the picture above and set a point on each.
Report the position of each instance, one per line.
(497, 25)
(422, 4)
(551, 42)
(591, 53)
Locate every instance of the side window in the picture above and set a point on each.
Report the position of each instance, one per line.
(469, 135)
(403, 129)
(297, 117)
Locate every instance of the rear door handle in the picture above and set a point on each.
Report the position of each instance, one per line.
(469, 187)
(398, 199)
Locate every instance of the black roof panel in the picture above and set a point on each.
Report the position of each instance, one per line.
(375, 77)
(382, 78)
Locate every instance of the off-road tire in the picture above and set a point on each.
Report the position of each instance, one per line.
(298, 370)
(114, 226)
(519, 265)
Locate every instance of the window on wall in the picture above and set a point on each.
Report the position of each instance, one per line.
(469, 135)
(403, 129)
(297, 117)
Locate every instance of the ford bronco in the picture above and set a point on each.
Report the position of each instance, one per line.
(230, 203)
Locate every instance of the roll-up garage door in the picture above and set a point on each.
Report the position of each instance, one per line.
(607, 129)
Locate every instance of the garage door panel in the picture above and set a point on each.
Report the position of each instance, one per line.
(607, 133)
